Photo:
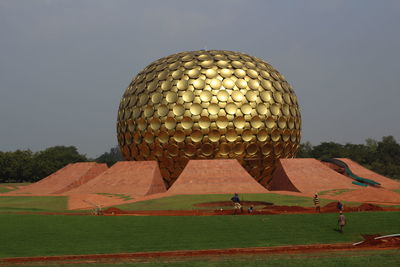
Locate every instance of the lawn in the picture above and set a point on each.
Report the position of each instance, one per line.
(33, 203)
(187, 202)
(41, 235)
(8, 187)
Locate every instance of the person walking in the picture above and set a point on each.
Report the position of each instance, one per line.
(341, 221)
(236, 202)
(340, 206)
(316, 203)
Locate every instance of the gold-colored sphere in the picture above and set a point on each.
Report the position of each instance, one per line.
(209, 104)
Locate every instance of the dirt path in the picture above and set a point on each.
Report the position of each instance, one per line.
(370, 243)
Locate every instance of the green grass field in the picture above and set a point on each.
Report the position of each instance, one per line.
(8, 187)
(41, 235)
(32, 203)
(187, 202)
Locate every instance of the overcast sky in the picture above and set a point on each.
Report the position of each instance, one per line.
(64, 65)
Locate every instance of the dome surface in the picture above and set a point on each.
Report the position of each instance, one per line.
(209, 104)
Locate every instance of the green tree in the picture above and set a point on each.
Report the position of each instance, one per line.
(54, 158)
(110, 158)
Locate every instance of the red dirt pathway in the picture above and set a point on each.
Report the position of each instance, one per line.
(387, 243)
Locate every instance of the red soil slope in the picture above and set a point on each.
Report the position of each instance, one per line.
(134, 178)
(359, 170)
(307, 176)
(372, 195)
(71, 176)
(217, 176)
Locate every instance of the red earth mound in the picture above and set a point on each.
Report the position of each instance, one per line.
(229, 203)
(370, 243)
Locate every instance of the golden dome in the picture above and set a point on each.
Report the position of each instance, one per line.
(209, 104)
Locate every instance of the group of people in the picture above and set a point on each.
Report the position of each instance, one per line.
(341, 220)
(340, 208)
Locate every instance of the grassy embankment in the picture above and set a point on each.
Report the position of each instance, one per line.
(8, 187)
(188, 202)
(32, 203)
(41, 235)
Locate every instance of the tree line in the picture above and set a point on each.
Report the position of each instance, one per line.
(382, 157)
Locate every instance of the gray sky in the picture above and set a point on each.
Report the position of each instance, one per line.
(64, 65)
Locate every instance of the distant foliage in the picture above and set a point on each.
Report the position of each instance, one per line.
(26, 166)
(382, 156)
(111, 157)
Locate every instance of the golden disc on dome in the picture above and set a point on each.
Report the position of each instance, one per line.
(162, 110)
(163, 137)
(239, 122)
(155, 124)
(156, 97)
(266, 96)
(246, 109)
(214, 136)
(213, 109)
(247, 135)
(252, 73)
(196, 136)
(142, 124)
(222, 122)
(252, 148)
(241, 83)
(262, 135)
(172, 149)
(237, 64)
(282, 122)
(275, 135)
(238, 148)
(182, 84)
(251, 95)
(170, 123)
(256, 122)
(171, 97)
(231, 135)
(207, 63)
(187, 123)
(222, 95)
(262, 109)
(267, 149)
(228, 83)
(222, 64)
(267, 85)
(215, 84)
(224, 149)
(226, 73)
(188, 96)
(199, 84)
(231, 108)
(178, 110)
(148, 137)
(270, 122)
(237, 96)
(207, 149)
(190, 150)
(179, 136)
(193, 73)
(204, 122)
(275, 109)
(205, 96)
(239, 73)
(177, 74)
(254, 84)
(278, 97)
(211, 73)
(196, 109)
